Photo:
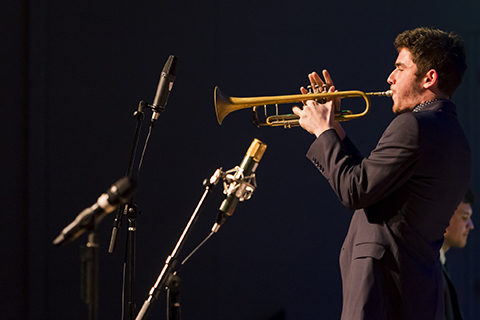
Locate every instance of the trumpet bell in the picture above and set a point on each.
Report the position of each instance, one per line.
(223, 106)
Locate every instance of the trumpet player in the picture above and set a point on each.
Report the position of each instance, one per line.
(405, 191)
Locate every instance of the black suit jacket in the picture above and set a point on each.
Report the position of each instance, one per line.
(452, 306)
(403, 194)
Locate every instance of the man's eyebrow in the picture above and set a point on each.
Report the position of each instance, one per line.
(399, 64)
(466, 213)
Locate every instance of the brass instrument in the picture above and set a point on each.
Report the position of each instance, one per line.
(225, 104)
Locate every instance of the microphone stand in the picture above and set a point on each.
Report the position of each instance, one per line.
(237, 187)
(88, 220)
(167, 277)
(131, 211)
(89, 271)
(117, 224)
(173, 298)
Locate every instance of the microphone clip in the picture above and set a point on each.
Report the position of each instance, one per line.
(156, 108)
(214, 179)
(235, 183)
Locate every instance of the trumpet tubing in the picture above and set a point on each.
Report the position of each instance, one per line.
(225, 104)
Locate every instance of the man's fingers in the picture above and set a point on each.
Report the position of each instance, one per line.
(315, 81)
(297, 111)
(328, 78)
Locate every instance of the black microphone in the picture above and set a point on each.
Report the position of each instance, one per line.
(118, 194)
(164, 86)
(238, 186)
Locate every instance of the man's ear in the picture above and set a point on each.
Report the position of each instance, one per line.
(430, 79)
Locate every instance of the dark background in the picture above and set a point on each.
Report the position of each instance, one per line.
(72, 74)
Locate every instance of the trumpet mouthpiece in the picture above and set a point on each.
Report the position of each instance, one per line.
(387, 93)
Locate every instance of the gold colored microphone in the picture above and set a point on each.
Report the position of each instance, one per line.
(239, 187)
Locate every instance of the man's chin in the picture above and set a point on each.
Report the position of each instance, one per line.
(401, 110)
(397, 111)
(461, 244)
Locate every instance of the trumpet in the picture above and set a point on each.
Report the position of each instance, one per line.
(225, 104)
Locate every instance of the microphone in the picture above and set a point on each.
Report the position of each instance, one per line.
(117, 194)
(239, 188)
(164, 86)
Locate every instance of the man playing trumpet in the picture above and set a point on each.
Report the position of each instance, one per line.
(405, 191)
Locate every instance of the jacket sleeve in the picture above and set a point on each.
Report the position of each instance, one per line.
(360, 183)
(352, 150)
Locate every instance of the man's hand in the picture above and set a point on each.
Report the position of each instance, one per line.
(316, 117)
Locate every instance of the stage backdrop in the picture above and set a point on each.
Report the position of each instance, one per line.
(73, 74)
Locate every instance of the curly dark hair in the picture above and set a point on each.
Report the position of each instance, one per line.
(432, 48)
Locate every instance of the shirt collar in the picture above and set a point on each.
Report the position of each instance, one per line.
(443, 258)
(424, 104)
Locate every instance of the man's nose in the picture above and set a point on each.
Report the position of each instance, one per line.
(470, 224)
(390, 79)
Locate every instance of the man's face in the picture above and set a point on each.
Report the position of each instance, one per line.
(405, 85)
(460, 225)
